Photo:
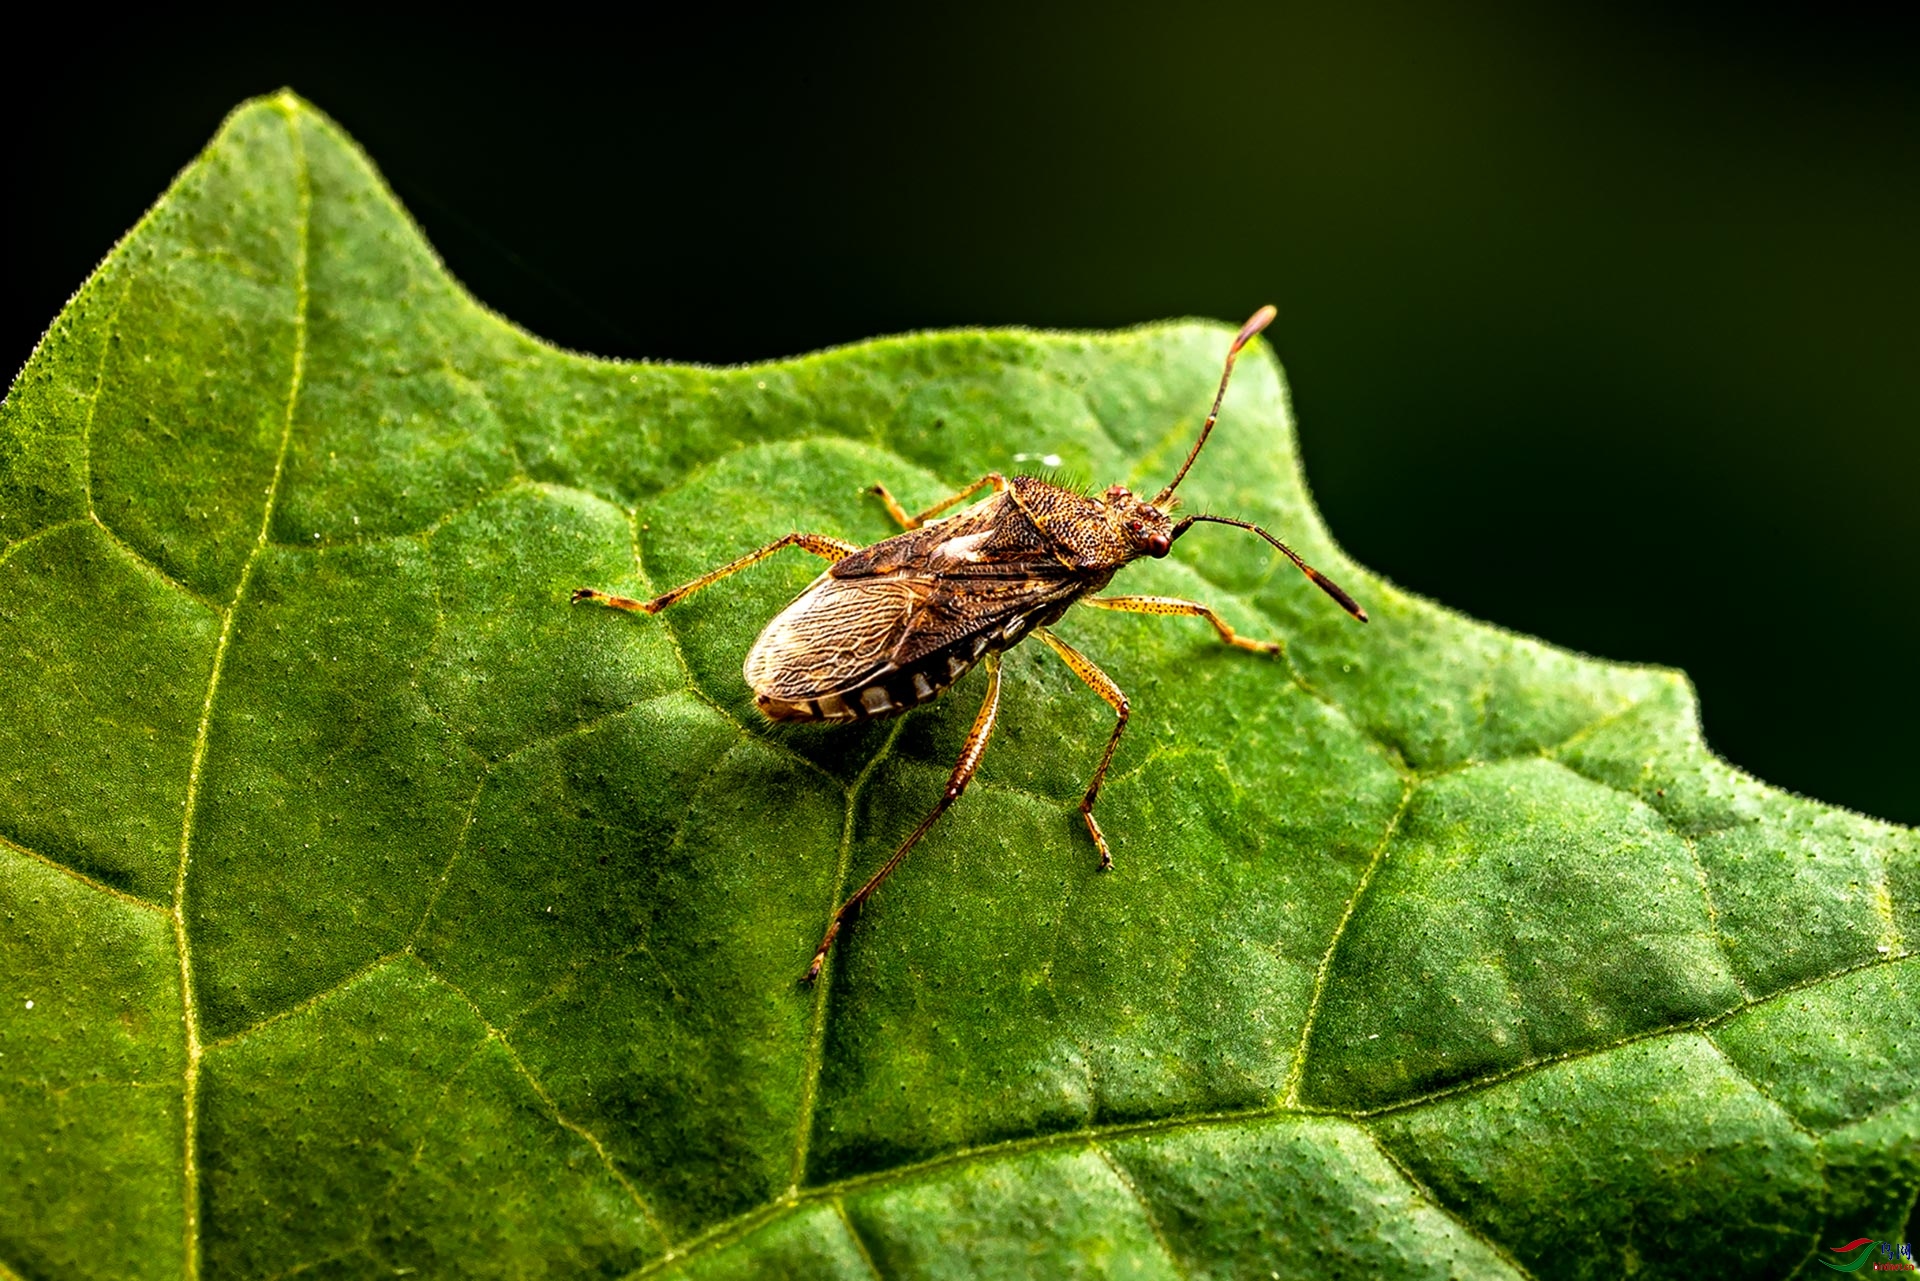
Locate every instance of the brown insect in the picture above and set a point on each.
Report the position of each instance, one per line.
(889, 627)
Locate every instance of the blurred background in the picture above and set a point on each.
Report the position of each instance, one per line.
(1601, 320)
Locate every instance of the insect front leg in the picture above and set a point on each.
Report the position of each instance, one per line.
(899, 513)
(1102, 684)
(1188, 608)
(828, 549)
(963, 771)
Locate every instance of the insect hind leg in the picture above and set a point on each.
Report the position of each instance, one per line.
(1103, 685)
(828, 549)
(963, 772)
(899, 513)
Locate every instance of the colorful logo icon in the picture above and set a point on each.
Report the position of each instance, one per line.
(1895, 1258)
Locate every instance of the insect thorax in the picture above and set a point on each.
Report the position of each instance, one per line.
(1088, 528)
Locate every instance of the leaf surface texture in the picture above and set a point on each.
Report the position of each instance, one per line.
(369, 908)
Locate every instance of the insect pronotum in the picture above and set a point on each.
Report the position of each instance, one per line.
(891, 626)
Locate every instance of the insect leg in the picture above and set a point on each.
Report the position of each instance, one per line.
(963, 771)
(1189, 608)
(828, 549)
(1102, 684)
(899, 513)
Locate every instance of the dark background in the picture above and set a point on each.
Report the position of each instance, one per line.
(1601, 323)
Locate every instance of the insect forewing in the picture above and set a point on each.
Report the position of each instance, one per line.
(959, 589)
(838, 635)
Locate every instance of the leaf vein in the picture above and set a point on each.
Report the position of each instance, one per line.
(307, 1002)
(1713, 914)
(640, 946)
(1588, 1051)
(44, 531)
(1432, 1198)
(1297, 1072)
(132, 900)
(730, 1230)
(547, 1100)
(453, 857)
(99, 385)
(149, 564)
(812, 1065)
(859, 1241)
(1753, 1083)
(1146, 1207)
(190, 1012)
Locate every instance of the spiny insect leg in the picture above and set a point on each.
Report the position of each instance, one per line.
(899, 513)
(1188, 608)
(828, 549)
(1102, 684)
(963, 771)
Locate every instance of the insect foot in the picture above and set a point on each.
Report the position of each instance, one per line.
(615, 602)
(1099, 837)
(820, 957)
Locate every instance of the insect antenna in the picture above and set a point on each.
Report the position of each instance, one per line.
(1261, 319)
(1320, 580)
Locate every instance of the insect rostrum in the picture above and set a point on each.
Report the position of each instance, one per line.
(891, 626)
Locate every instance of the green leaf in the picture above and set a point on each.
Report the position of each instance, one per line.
(368, 908)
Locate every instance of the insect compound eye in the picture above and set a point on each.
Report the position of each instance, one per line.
(1159, 545)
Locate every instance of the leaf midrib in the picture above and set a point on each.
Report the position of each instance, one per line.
(190, 1088)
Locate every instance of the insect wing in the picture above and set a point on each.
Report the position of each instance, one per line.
(837, 635)
(981, 581)
(993, 610)
(840, 633)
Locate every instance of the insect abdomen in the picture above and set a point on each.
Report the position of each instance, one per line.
(889, 694)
